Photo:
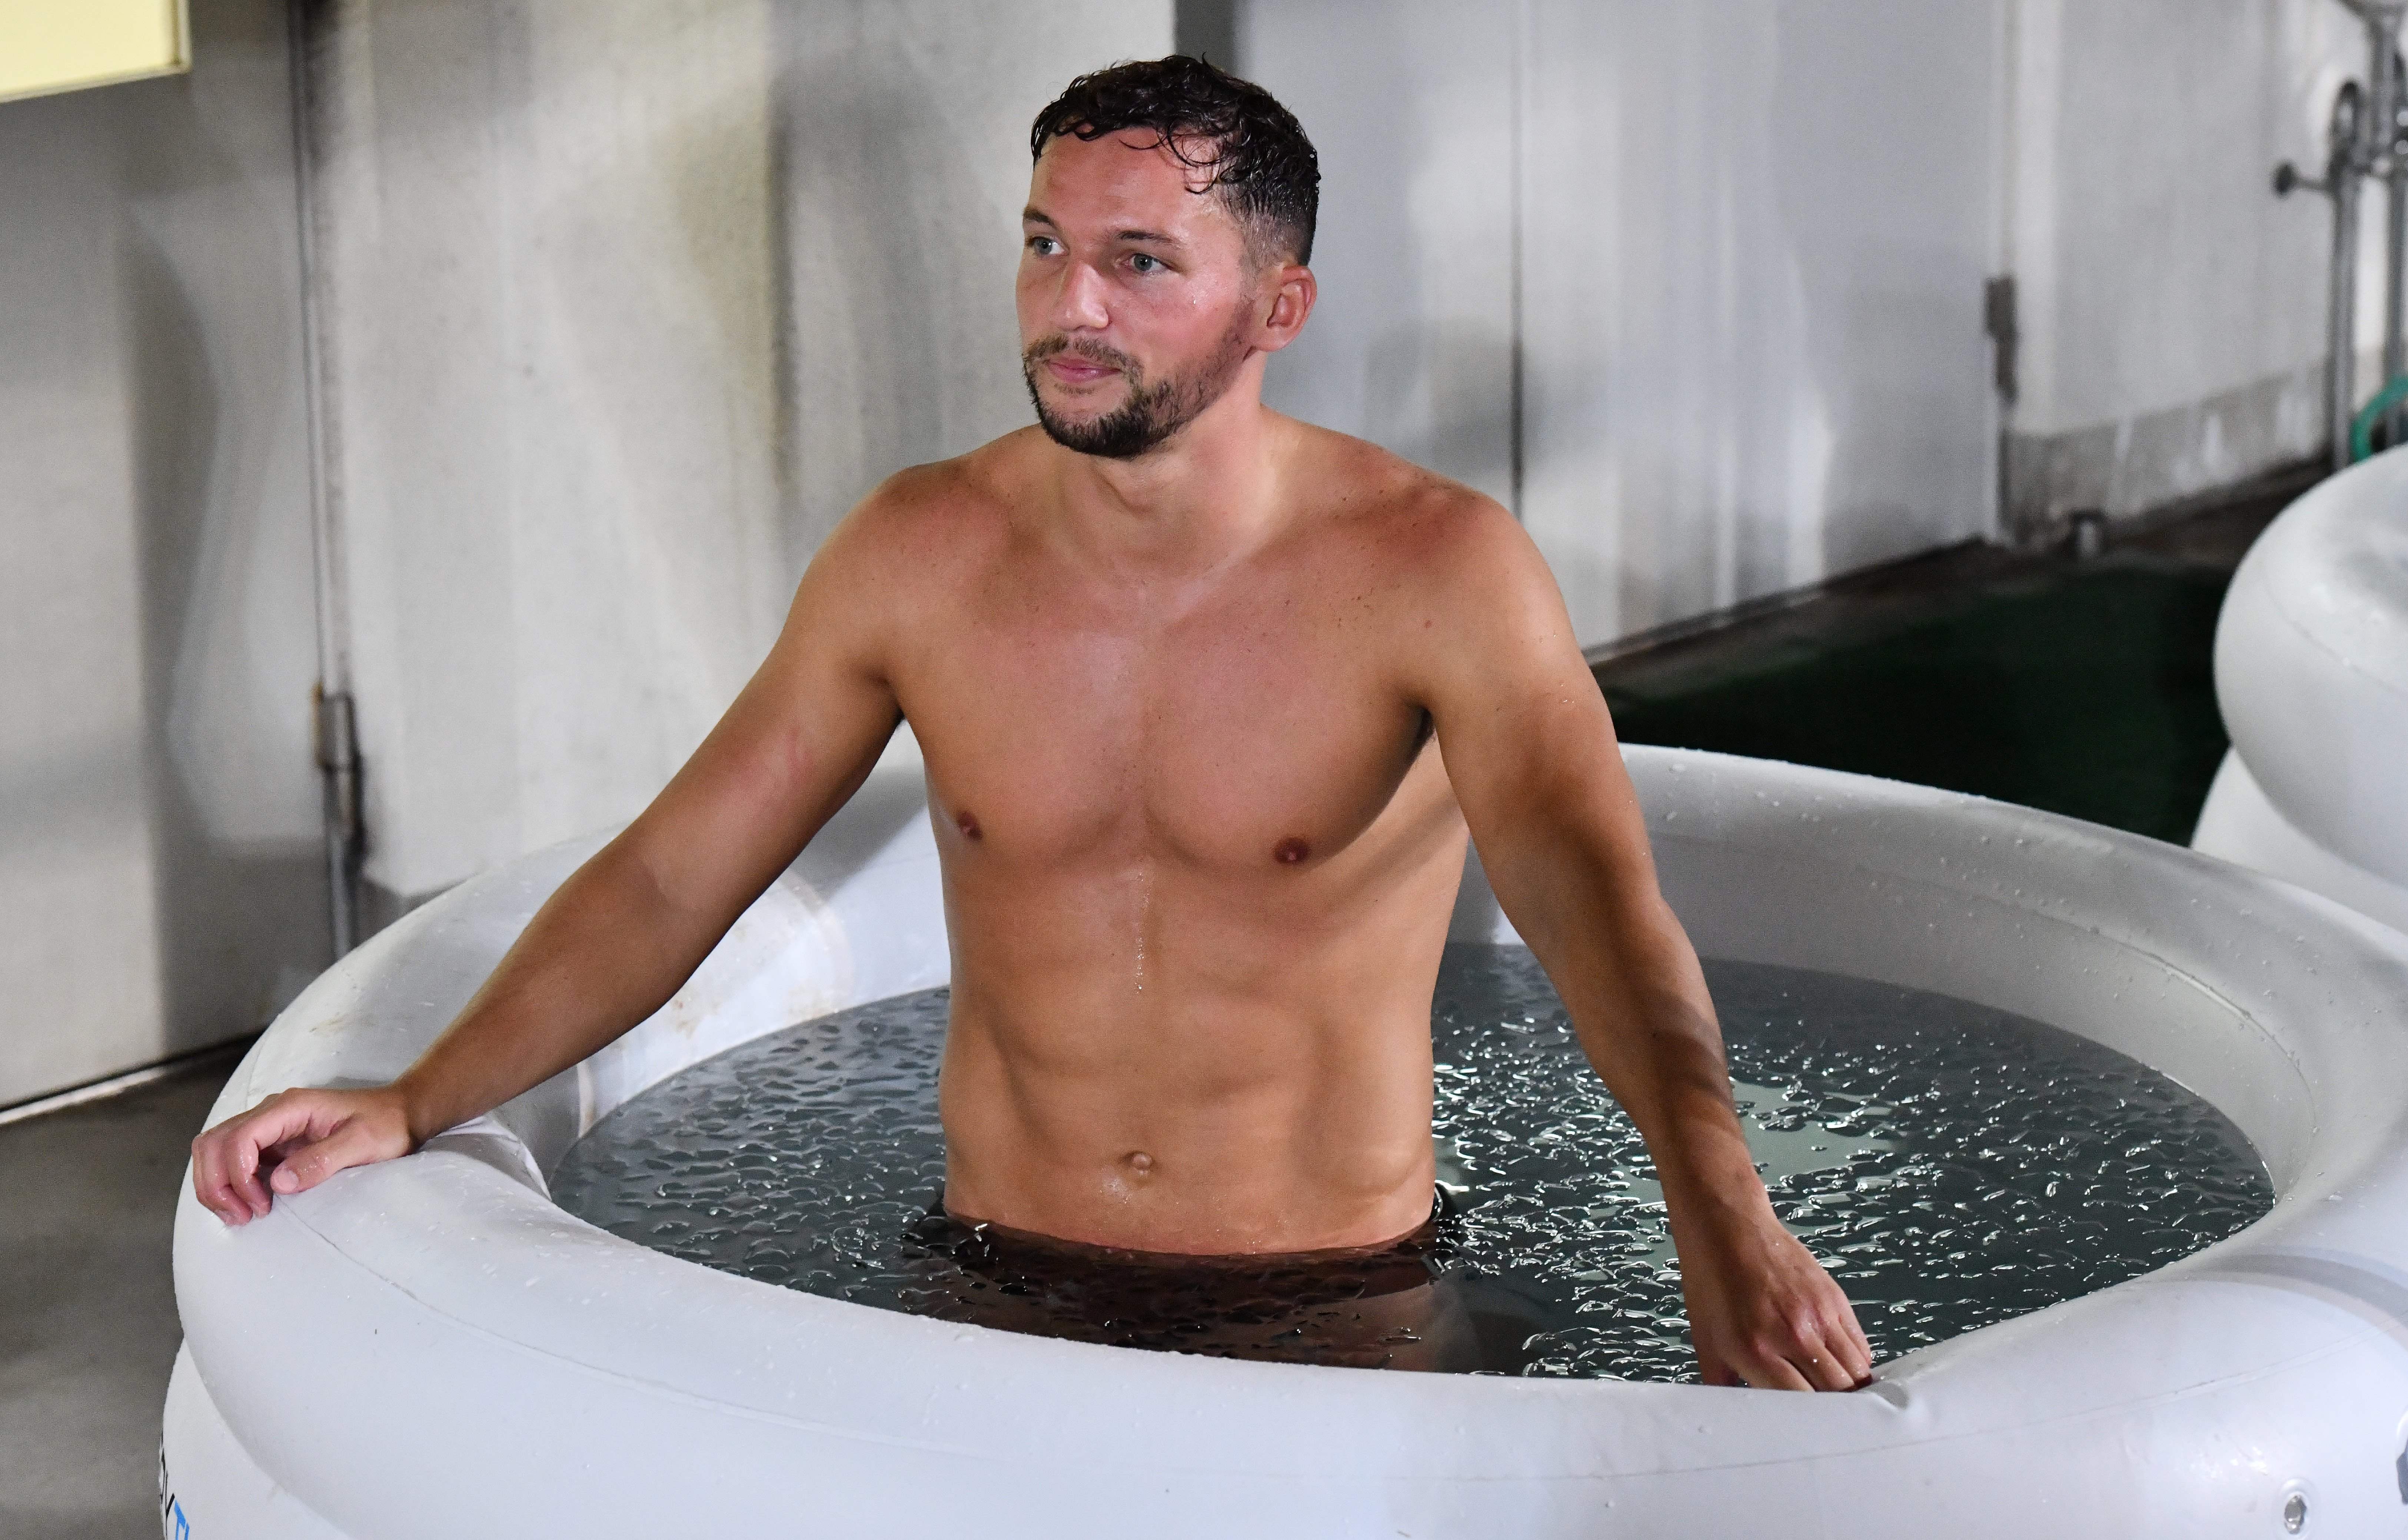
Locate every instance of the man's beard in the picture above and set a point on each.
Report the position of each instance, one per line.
(1153, 412)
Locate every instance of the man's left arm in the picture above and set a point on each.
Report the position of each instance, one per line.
(1530, 750)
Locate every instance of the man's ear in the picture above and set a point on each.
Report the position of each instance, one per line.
(1290, 302)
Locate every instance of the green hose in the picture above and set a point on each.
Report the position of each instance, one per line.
(2362, 427)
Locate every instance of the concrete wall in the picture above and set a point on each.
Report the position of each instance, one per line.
(629, 301)
(160, 882)
(1695, 288)
(549, 278)
(2174, 309)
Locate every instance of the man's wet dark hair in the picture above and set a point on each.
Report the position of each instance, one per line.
(1259, 161)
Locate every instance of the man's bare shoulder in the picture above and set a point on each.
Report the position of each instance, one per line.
(1425, 533)
(945, 500)
(943, 512)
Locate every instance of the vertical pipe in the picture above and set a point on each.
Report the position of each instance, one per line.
(2394, 274)
(2395, 270)
(332, 724)
(2377, 131)
(2383, 143)
(2341, 384)
(2342, 167)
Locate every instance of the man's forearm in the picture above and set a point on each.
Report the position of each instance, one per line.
(603, 953)
(1639, 1003)
(1656, 1043)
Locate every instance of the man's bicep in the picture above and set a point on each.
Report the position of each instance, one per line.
(1528, 743)
(1501, 673)
(797, 741)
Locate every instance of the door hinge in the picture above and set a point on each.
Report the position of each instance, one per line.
(335, 728)
(1998, 325)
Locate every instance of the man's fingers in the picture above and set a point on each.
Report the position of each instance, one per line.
(308, 1164)
(1827, 1370)
(222, 1175)
(226, 1158)
(271, 1123)
(1815, 1350)
(1854, 1353)
(1840, 1338)
(209, 1184)
(1773, 1366)
(240, 1153)
(1831, 1349)
(1859, 1351)
(1768, 1371)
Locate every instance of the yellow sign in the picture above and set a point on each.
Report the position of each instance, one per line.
(60, 45)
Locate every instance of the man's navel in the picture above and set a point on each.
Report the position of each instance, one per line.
(1138, 1164)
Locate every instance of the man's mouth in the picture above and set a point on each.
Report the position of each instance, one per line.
(1071, 370)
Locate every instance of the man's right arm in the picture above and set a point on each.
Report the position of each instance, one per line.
(634, 922)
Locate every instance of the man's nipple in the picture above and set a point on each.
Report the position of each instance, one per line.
(1288, 852)
(967, 823)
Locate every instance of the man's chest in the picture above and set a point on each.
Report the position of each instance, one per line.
(1257, 731)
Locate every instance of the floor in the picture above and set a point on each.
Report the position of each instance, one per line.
(2080, 686)
(88, 1327)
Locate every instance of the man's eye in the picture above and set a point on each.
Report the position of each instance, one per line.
(1044, 245)
(1141, 263)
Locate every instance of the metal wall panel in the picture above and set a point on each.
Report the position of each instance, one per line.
(1410, 345)
(1744, 241)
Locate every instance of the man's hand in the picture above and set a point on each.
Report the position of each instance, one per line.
(1761, 1308)
(291, 1142)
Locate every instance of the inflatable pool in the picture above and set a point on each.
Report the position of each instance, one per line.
(2311, 674)
(430, 1347)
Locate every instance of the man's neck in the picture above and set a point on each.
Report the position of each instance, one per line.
(1204, 497)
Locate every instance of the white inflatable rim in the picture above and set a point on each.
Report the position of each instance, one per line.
(431, 1346)
(2312, 676)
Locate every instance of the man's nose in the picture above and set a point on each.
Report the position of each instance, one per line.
(1079, 304)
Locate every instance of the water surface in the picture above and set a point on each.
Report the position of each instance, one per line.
(1956, 1165)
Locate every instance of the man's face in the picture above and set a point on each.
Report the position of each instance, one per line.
(1136, 296)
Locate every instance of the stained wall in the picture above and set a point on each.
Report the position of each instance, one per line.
(2174, 307)
(160, 881)
(629, 302)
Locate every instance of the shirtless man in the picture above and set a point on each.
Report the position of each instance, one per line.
(1208, 698)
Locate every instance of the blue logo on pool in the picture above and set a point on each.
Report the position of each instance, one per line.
(173, 1525)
